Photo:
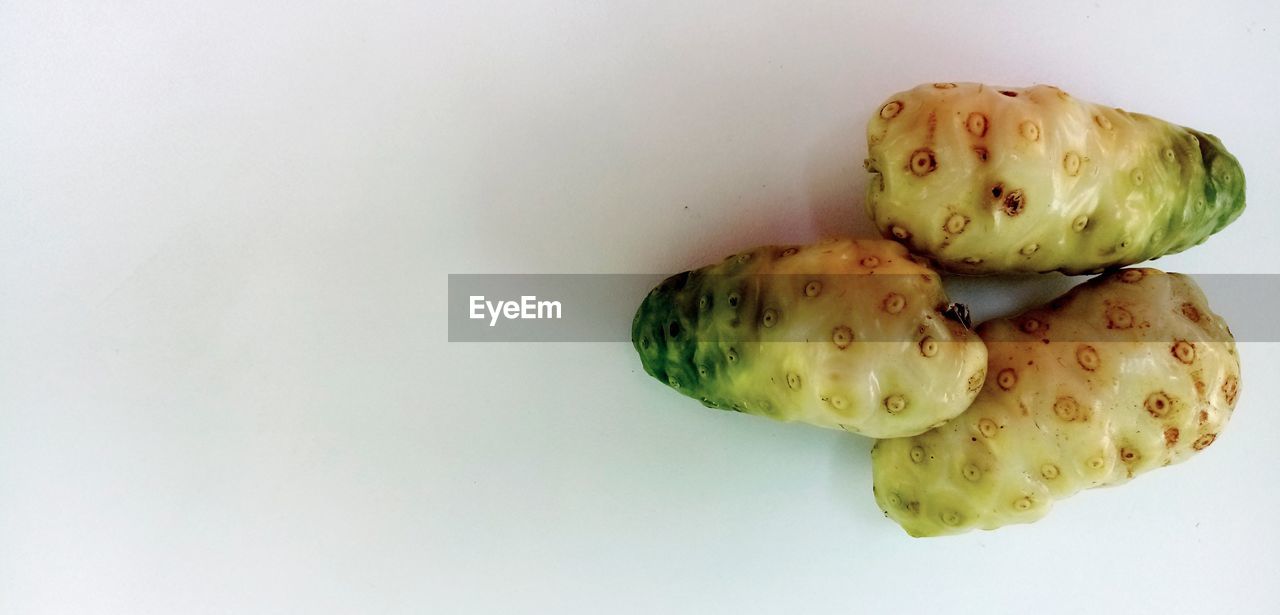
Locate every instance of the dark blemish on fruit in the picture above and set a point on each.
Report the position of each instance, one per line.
(1014, 203)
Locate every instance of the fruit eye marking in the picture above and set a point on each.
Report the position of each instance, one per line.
(923, 162)
(976, 124)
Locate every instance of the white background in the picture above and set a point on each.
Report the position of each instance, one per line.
(225, 381)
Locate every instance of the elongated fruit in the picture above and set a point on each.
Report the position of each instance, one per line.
(1126, 373)
(990, 179)
(852, 334)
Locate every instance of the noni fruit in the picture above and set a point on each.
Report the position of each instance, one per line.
(853, 334)
(989, 179)
(1123, 374)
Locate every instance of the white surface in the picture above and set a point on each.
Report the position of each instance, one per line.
(224, 234)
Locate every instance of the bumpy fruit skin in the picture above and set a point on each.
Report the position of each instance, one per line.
(850, 334)
(991, 180)
(1123, 374)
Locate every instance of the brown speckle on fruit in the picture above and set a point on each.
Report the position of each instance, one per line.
(894, 303)
(1171, 436)
(890, 109)
(842, 336)
(1184, 351)
(923, 162)
(1007, 378)
(1191, 312)
(1230, 388)
(1128, 455)
(975, 381)
(1009, 93)
(895, 404)
(1204, 441)
(1158, 404)
(955, 224)
(1088, 357)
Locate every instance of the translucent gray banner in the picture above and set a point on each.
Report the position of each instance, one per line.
(600, 307)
